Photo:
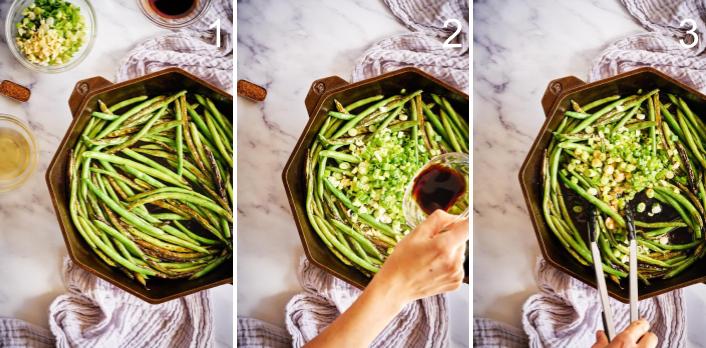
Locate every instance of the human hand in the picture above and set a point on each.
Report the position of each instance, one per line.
(636, 335)
(428, 261)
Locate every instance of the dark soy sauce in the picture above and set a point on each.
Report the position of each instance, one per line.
(173, 8)
(438, 187)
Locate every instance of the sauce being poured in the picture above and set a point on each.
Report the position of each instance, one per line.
(438, 187)
(173, 8)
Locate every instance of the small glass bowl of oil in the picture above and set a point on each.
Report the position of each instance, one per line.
(442, 183)
(18, 153)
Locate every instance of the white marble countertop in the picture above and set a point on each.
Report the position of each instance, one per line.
(285, 50)
(31, 246)
(518, 48)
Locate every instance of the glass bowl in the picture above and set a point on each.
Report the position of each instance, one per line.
(199, 9)
(14, 14)
(455, 161)
(17, 165)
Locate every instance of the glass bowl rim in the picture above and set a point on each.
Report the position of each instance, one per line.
(75, 61)
(172, 26)
(34, 153)
(462, 156)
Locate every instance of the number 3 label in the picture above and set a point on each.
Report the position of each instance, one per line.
(692, 32)
(457, 23)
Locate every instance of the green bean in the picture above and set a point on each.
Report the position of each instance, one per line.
(340, 115)
(119, 121)
(698, 124)
(225, 126)
(206, 203)
(651, 116)
(104, 116)
(130, 245)
(686, 263)
(660, 224)
(365, 217)
(139, 222)
(589, 120)
(364, 243)
(640, 125)
(458, 120)
(349, 254)
(353, 122)
(139, 135)
(339, 156)
(138, 166)
(363, 101)
(593, 200)
(577, 115)
(210, 267)
(599, 102)
(690, 140)
(217, 140)
(449, 132)
(387, 120)
(116, 257)
(170, 216)
(125, 103)
(434, 119)
(179, 138)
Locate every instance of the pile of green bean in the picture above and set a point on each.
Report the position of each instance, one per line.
(643, 150)
(150, 186)
(361, 226)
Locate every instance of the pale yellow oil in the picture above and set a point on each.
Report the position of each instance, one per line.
(15, 154)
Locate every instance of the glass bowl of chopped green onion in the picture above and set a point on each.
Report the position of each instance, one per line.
(442, 183)
(50, 36)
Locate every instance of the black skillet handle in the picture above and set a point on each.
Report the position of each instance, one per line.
(82, 89)
(556, 88)
(319, 88)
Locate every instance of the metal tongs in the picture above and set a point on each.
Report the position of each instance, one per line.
(607, 313)
(593, 232)
(630, 223)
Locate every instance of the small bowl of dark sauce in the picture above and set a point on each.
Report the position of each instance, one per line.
(174, 14)
(442, 183)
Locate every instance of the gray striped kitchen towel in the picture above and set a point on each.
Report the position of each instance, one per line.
(566, 312)
(660, 47)
(192, 49)
(423, 323)
(423, 47)
(94, 313)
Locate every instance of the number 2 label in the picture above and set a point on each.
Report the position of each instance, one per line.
(692, 32)
(457, 23)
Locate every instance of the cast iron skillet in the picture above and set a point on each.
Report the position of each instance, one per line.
(83, 102)
(318, 102)
(555, 102)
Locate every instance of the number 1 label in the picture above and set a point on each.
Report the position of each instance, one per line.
(217, 25)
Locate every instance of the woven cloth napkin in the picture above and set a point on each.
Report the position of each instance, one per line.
(422, 47)
(192, 49)
(423, 323)
(566, 312)
(94, 313)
